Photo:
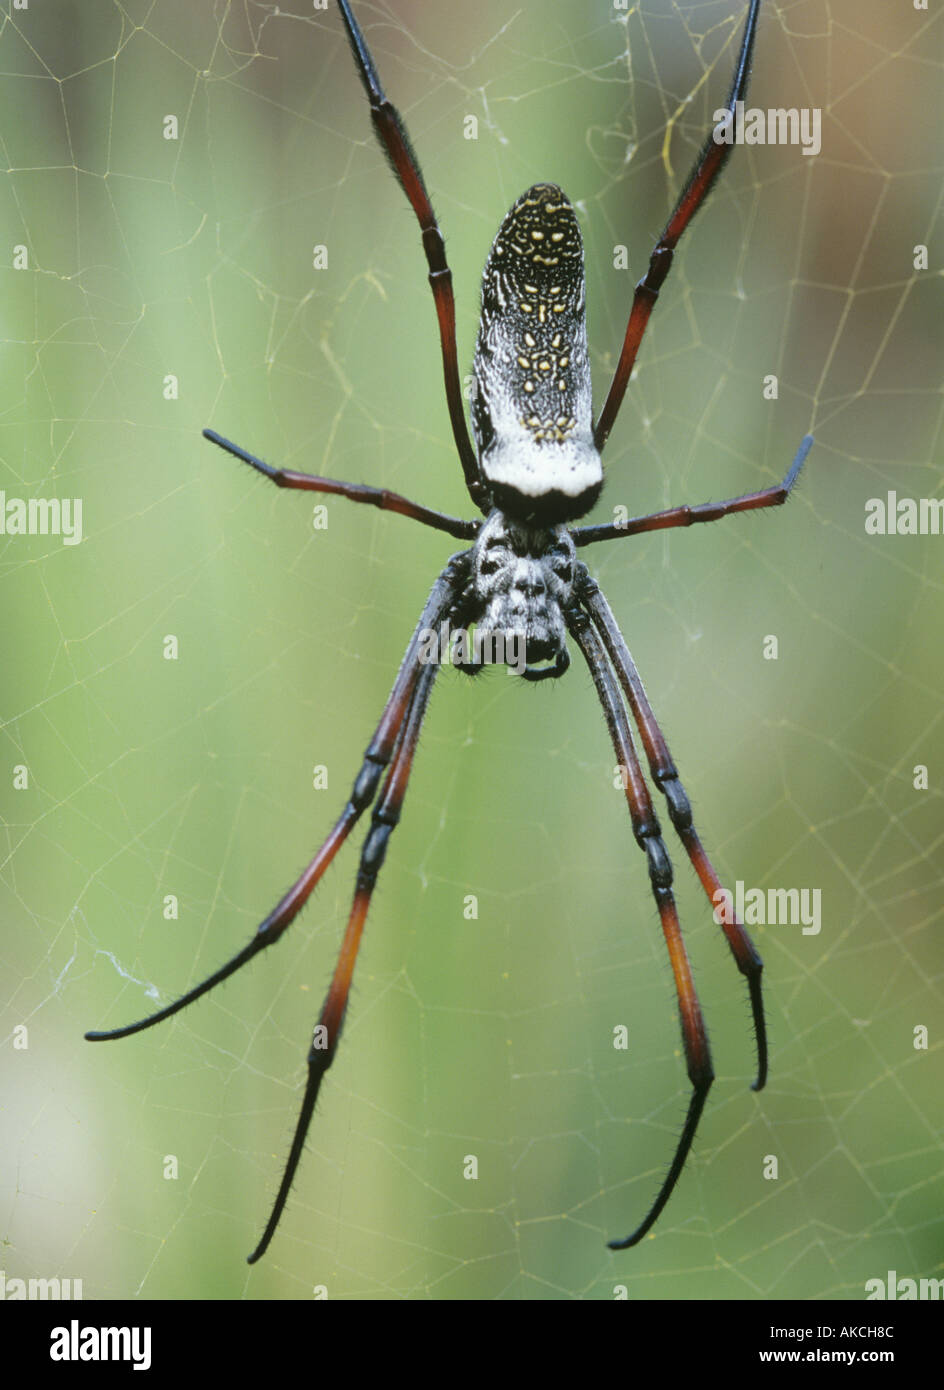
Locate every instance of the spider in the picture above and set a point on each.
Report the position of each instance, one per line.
(534, 467)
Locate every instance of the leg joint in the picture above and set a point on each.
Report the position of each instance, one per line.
(372, 856)
(365, 785)
(660, 865)
(701, 1074)
(680, 811)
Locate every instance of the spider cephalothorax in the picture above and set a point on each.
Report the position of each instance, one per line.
(536, 465)
(520, 585)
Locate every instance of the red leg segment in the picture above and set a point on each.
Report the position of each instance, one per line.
(708, 511)
(354, 492)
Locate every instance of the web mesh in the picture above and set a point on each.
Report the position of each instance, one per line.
(480, 1031)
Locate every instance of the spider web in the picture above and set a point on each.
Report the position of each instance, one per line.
(487, 1036)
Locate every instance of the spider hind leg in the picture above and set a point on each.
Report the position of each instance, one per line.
(665, 775)
(327, 1032)
(648, 837)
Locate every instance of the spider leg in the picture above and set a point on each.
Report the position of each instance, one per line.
(648, 837)
(355, 492)
(377, 757)
(666, 778)
(384, 818)
(707, 168)
(708, 511)
(391, 132)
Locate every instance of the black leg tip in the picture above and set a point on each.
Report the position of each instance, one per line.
(626, 1244)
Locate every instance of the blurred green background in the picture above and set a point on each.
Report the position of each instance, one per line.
(147, 777)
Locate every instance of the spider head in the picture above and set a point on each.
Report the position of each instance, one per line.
(521, 581)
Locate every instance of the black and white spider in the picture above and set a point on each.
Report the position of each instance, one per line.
(535, 467)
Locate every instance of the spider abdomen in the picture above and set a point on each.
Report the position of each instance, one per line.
(532, 408)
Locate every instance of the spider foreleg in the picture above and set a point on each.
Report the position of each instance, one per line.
(648, 837)
(665, 775)
(706, 511)
(384, 819)
(377, 757)
(355, 492)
